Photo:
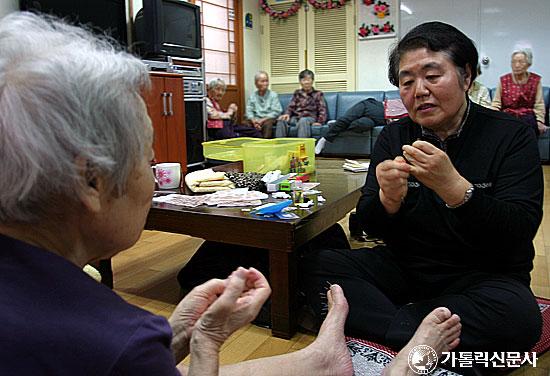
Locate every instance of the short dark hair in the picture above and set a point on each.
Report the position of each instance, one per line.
(437, 37)
(306, 73)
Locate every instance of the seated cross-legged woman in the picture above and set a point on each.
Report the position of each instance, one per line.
(455, 192)
(221, 124)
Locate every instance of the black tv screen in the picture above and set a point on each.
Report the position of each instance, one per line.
(103, 16)
(168, 28)
(179, 25)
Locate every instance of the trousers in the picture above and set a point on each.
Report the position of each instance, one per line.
(388, 301)
(230, 130)
(267, 127)
(302, 124)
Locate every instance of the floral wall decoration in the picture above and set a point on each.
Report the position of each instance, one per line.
(330, 4)
(292, 10)
(377, 19)
(295, 6)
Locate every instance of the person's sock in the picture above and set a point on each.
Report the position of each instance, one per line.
(320, 145)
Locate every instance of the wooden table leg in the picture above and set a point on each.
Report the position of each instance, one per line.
(283, 275)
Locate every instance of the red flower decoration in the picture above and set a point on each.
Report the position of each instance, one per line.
(281, 14)
(381, 9)
(364, 31)
(368, 2)
(330, 4)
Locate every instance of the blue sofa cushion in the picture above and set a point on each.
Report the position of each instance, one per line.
(285, 100)
(331, 100)
(392, 94)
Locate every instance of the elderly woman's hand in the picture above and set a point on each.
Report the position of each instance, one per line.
(284, 117)
(232, 108)
(204, 300)
(188, 311)
(392, 178)
(433, 168)
(245, 292)
(542, 127)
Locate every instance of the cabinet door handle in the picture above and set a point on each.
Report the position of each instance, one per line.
(170, 108)
(164, 112)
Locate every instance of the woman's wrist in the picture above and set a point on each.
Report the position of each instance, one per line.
(180, 341)
(453, 195)
(204, 355)
(392, 206)
(204, 343)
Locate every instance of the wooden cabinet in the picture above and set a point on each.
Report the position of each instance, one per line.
(167, 112)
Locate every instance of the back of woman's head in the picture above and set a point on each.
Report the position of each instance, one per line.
(64, 95)
(436, 37)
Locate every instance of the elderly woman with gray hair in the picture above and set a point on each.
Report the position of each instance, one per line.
(263, 106)
(520, 93)
(221, 124)
(76, 187)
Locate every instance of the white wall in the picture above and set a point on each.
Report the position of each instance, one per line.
(252, 47)
(372, 64)
(8, 6)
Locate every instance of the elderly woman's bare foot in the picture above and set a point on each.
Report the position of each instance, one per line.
(329, 348)
(440, 330)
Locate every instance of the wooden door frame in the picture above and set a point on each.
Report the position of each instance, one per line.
(239, 52)
(238, 89)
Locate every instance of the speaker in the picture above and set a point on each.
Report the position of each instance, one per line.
(195, 125)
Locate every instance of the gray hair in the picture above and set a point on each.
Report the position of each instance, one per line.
(216, 82)
(526, 52)
(260, 74)
(65, 95)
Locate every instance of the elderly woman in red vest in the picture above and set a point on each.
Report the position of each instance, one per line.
(520, 93)
(221, 124)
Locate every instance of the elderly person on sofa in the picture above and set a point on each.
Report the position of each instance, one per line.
(220, 123)
(455, 192)
(306, 109)
(520, 93)
(263, 106)
(76, 187)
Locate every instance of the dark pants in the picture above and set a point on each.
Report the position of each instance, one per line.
(531, 119)
(363, 115)
(230, 130)
(267, 127)
(388, 302)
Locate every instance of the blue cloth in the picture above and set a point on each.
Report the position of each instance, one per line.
(56, 320)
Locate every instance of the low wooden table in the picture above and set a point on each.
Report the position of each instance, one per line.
(231, 225)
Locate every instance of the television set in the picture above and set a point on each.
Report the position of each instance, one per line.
(101, 16)
(168, 28)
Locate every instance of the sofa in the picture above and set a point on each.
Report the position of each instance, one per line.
(360, 142)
